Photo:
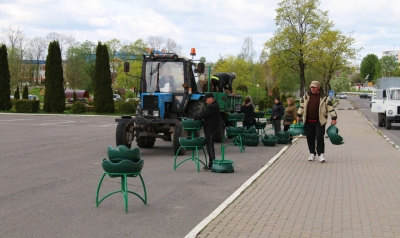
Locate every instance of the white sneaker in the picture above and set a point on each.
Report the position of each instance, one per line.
(312, 157)
(321, 158)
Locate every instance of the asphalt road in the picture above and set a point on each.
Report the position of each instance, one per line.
(50, 167)
(363, 105)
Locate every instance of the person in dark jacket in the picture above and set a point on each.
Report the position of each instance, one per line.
(223, 80)
(248, 109)
(277, 114)
(211, 120)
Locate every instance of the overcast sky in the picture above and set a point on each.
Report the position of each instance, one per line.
(215, 28)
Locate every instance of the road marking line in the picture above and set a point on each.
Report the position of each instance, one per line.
(193, 233)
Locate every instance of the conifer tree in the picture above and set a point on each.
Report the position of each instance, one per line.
(54, 98)
(25, 93)
(16, 94)
(103, 93)
(5, 92)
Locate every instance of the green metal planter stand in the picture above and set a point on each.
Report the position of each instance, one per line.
(193, 143)
(124, 188)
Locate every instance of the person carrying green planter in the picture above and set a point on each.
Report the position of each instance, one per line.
(314, 108)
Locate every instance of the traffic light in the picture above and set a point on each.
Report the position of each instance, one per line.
(126, 67)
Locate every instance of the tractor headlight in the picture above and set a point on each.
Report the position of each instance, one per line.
(145, 112)
(390, 112)
(155, 113)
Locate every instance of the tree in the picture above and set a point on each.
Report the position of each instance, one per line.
(389, 65)
(247, 53)
(38, 46)
(54, 98)
(300, 24)
(155, 42)
(367, 68)
(172, 47)
(333, 53)
(341, 83)
(103, 94)
(16, 94)
(25, 93)
(63, 41)
(5, 101)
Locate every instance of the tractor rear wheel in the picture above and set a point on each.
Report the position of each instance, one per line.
(122, 135)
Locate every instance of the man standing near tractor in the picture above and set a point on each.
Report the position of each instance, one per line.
(222, 80)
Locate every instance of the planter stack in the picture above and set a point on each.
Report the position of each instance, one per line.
(283, 137)
(192, 143)
(251, 137)
(269, 140)
(260, 126)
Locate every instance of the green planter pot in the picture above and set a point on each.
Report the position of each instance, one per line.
(189, 123)
(189, 141)
(123, 166)
(260, 125)
(268, 142)
(251, 130)
(297, 129)
(122, 152)
(283, 140)
(270, 136)
(251, 142)
(231, 130)
(283, 134)
(333, 134)
(259, 114)
(252, 136)
(222, 166)
(235, 116)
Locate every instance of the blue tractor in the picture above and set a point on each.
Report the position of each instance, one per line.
(169, 91)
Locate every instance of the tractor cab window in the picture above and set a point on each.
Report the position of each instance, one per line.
(163, 76)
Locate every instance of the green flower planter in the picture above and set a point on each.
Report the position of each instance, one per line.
(222, 166)
(283, 140)
(252, 136)
(260, 125)
(269, 111)
(251, 142)
(270, 136)
(333, 134)
(268, 142)
(189, 123)
(297, 129)
(259, 114)
(251, 130)
(123, 166)
(235, 116)
(122, 152)
(283, 134)
(231, 130)
(189, 141)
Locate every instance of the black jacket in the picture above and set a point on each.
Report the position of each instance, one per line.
(278, 111)
(210, 116)
(248, 113)
(225, 79)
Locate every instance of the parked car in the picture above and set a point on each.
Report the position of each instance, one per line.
(365, 95)
(342, 96)
(33, 97)
(117, 97)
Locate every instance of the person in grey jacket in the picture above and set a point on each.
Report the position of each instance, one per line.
(314, 108)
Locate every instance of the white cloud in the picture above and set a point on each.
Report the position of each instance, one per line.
(214, 28)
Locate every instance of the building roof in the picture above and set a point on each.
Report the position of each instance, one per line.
(69, 93)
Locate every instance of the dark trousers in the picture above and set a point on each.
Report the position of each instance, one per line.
(315, 132)
(286, 128)
(247, 125)
(210, 147)
(216, 85)
(277, 125)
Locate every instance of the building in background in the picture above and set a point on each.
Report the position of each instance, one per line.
(395, 53)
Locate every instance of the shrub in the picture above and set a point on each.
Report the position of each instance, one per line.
(27, 106)
(78, 107)
(127, 107)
